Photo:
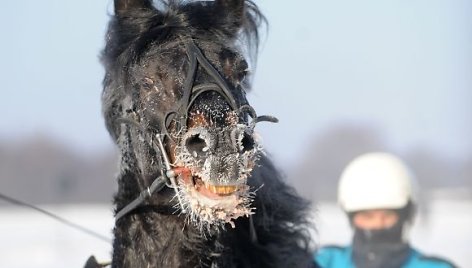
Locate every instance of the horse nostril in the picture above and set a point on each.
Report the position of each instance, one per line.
(196, 145)
(247, 142)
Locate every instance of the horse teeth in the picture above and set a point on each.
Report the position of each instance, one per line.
(222, 190)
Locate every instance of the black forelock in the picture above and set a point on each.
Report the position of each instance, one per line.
(130, 35)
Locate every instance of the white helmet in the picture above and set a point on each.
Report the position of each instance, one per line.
(375, 181)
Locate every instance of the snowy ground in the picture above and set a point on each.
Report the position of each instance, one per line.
(30, 239)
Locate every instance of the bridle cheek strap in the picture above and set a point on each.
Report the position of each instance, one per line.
(156, 185)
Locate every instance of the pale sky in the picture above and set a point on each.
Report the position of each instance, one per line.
(403, 66)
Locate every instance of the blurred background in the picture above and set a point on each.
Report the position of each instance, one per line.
(343, 77)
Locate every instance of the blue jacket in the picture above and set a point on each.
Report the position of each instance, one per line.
(340, 257)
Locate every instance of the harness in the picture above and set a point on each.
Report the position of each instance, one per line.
(179, 116)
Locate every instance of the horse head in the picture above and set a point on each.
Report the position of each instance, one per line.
(175, 103)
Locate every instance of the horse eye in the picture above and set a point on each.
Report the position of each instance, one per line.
(243, 70)
(242, 75)
(147, 83)
(148, 80)
(196, 145)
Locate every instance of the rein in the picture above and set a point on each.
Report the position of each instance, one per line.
(157, 185)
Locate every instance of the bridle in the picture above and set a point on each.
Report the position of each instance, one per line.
(177, 118)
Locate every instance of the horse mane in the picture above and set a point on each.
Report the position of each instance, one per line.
(129, 36)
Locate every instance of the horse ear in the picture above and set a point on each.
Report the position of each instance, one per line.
(124, 6)
(233, 10)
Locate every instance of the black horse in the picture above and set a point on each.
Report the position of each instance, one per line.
(195, 189)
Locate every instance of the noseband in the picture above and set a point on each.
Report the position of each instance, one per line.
(191, 91)
(179, 117)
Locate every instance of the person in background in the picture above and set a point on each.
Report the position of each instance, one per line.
(376, 192)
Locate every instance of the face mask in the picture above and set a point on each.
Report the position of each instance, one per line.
(384, 248)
